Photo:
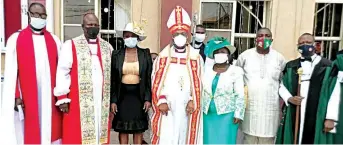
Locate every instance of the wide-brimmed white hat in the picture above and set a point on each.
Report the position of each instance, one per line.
(133, 28)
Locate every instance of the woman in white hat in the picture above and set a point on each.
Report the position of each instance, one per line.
(131, 86)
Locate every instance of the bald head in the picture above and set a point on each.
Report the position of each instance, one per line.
(36, 5)
(90, 17)
(90, 25)
(306, 38)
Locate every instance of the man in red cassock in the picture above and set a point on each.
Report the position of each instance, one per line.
(30, 71)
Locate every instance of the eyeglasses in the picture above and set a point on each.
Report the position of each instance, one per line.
(38, 15)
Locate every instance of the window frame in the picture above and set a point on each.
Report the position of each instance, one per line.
(109, 31)
(233, 21)
(266, 20)
(330, 1)
(2, 28)
(113, 31)
(24, 4)
(96, 12)
(2, 39)
(330, 38)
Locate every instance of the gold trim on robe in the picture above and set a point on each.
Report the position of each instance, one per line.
(161, 69)
(86, 100)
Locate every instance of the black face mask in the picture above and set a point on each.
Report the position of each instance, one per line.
(92, 32)
(306, 50)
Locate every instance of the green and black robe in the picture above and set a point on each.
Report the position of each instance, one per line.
(330, 79)
(285, 134)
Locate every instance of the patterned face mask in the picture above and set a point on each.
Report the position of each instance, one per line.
(263, 42)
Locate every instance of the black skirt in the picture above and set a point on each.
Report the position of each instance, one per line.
(130, 118)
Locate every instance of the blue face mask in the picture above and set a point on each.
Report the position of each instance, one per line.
(306, 50)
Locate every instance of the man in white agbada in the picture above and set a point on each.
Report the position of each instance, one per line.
(83, 77)
(262, 73)
(30, 70)
(176, 87)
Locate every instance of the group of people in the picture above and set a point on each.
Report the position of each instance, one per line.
(76, 92)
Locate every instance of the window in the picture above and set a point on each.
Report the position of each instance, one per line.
(114, 16)
(236, 20)
(72, 13)
(328, 24)
(218, 18)
(251, 16)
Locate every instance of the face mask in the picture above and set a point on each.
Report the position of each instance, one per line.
(92, 32)
(199, 37)
(180, 40)
(221, 58)
(38, 23)
(263, 42)
(131, 42)
(306, 50)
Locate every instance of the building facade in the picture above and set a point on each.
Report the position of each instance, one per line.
(238, 20)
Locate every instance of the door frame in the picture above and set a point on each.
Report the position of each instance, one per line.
(2, 40)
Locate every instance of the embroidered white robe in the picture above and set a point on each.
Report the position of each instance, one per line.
(262, 75)
(93, 73)
(177, 77)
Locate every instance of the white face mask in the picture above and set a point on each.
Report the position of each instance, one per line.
(199, 37)
(180, 40)
(220, 58)
(38, 23)
(131, 42)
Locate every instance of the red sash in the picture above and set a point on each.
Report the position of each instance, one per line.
(28, 86)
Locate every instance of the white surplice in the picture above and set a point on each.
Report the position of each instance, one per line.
(178, 94)
(63, 79)
(12, 127)
(262, 74)
(308, 67)
(332, 112)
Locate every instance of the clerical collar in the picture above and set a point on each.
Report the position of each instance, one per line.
(197, 46)
(180, 50)
(37, 32)
(92, 41)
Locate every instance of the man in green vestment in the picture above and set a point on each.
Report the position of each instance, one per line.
(314, 68)
(329, 118)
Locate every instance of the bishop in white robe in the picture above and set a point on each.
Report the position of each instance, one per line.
(176, 83)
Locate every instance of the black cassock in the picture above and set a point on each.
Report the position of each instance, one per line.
(316, 82)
